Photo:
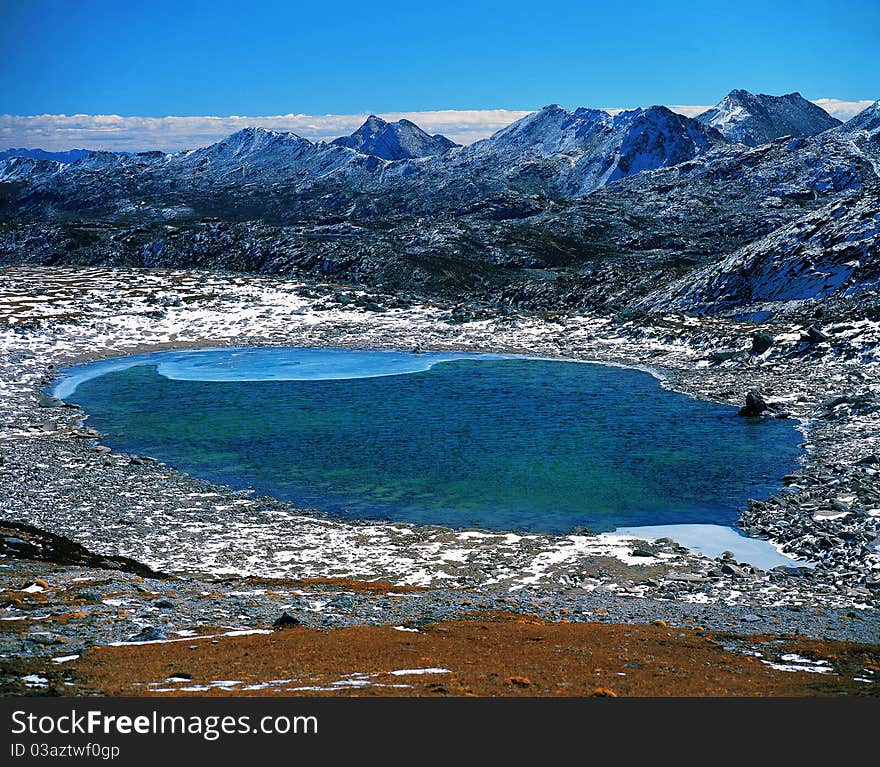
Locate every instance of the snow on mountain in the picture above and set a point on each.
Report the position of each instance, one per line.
(17, 168)
(657, 138)
(98, 161)
(830, 251)
(394, 141)
(867, 120)
(754, 119)
(70, 155)
(260, 156)
(550, 130)
(645, 209)
(250, 152)
(561, 153)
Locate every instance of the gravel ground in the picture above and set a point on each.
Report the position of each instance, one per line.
(215, 541)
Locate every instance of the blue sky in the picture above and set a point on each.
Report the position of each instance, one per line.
(220, 58)
(158, 74)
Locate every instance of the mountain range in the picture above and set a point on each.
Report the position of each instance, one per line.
(641, 210)
(71, 155)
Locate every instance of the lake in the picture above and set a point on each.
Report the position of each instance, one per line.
(499, 442)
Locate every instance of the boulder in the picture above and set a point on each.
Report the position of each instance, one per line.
(725, 355)
(815, 336)
(148, 634)
(761, 342)
(286, 621)
(755, 405)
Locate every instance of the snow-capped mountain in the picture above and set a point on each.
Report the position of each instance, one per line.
(71, 155)
(754, 119)
(555, 152)
(249, 162)
(548, 131)
(558, 190)
(26, 168)
(260, 154)
(619, 144)
(399, 140)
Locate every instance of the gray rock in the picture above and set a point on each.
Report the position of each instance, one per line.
(640, 552)
(755, 405)
(286, 621)
(761, 342)
(728, 568)
(724, 355)
(148, 634)
(815, 336)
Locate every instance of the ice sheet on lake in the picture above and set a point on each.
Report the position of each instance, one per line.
(269, 364)
(713, 540)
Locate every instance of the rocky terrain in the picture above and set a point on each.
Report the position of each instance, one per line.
(643, 238)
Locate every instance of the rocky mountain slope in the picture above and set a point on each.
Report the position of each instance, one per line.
(399, 140)
(830, 251)
(755, 119)
(867, 121)
(558, 153)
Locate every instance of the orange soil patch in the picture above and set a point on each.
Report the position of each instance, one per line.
(499, 655)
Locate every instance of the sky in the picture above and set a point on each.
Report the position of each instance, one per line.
(464, 67)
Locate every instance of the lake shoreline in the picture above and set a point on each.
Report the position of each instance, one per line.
(488, 416)
(58, 477)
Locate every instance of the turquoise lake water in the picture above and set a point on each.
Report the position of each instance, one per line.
(489, 441)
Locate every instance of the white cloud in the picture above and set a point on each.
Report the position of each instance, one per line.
(690, 111)
(843, 110)
(113, 132)
(56, 132)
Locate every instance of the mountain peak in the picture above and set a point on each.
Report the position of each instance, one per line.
(394, 141)
(757, 118)
(257, 135)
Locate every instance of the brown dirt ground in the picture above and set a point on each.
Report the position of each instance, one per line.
(496, 655)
